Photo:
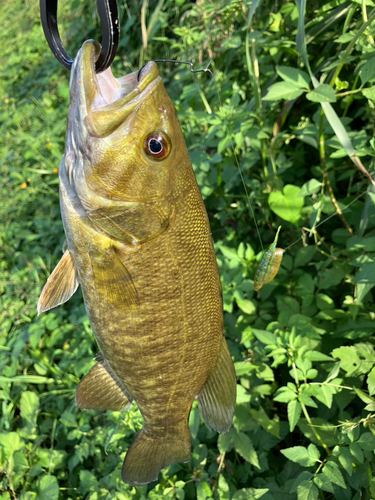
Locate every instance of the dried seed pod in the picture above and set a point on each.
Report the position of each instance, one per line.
(269, 265)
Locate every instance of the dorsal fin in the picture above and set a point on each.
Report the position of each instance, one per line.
(101, 390)
(60, 286)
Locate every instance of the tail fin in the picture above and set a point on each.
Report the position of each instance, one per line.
(147, 456)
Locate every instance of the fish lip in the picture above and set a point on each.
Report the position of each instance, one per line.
(105, 92)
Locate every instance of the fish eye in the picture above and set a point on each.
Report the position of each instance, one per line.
(157, 145)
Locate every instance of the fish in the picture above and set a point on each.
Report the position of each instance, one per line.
(138, 242)
(269, 265)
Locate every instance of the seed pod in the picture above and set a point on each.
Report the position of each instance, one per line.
(269, 265)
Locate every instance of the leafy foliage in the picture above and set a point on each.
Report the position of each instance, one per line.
(282, 134)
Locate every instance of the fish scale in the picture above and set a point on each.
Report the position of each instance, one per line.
(139, 243)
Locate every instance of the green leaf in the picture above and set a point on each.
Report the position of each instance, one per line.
(349, 360)
(303, 476)
(356, 452)
(247, 306)
(203, 490)
(332, 472)
(27, 379)
(194, 421)
(304, 255)
(48, 488)
(231, 43)
(366, 274)
(294, 413)
(88, 481)
(249, 493)
(371, 381)
(287, 204)
(223, 488)
(346, 460)
(301, 455)
(282, 90)
(323, 483)
(307, 491)
(363, 396)
(264, 336)
(367, 441)
(10, 442)
(244, 447)
(325, 394)
(317, 356)
(322, 93)
(327, 431)
(285, 395)
(225, 442)
(369, 93)
(367, 71)
(310, 187)
(293, 75)
(29, 405)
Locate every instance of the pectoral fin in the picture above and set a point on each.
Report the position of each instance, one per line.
(60, 286)
(217, 398)
(113, 282)
(99, 390)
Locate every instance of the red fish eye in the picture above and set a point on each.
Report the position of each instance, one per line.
(157, 145)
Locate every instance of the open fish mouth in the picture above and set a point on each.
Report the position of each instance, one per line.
(109, 100)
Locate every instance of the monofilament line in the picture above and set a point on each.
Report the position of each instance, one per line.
(239, 169)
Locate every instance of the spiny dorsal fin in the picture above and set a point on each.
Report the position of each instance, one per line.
(60, 286)
(100, 390)
(217, 398)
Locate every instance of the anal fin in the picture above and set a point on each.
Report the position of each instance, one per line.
(99, 390)
(60, 286)
(217, 398)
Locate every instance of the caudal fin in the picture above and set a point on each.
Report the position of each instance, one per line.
(147, 456)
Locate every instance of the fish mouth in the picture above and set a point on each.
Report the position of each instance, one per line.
(109, 100)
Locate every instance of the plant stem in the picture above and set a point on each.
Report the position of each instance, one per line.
(325, 175)
(350, 47)
(349, 92)
(333, 385)
(364, 17)
(307, 416)
(350, 100)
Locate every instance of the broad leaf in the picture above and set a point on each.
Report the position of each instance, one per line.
(282, 90)
(301, 455)
(293, 75)
(322, 93)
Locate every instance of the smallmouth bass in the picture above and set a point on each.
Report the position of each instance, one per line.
(139, 244)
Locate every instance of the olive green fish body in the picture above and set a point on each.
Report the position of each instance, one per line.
(139, 244)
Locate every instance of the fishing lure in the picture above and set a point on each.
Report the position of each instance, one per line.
(269, 265)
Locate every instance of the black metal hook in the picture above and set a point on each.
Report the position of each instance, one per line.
(107, 10)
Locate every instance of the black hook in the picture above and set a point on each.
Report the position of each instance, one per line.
(107, 10)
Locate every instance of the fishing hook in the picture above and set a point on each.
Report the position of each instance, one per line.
(107, 10)
(180, 62)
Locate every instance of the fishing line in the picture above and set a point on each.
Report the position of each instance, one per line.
(271, 259)
(239, 166)
(325, 220)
